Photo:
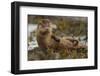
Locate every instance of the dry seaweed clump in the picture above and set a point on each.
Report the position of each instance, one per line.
(52, 54)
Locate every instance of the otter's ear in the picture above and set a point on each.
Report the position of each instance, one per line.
(39, 24)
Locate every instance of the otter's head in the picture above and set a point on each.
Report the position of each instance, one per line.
(44, 27)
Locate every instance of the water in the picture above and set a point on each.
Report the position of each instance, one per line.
(31, 28)
(33, 43)
(82, 40)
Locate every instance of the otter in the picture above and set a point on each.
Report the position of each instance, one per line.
(44, 34)
(46, 39)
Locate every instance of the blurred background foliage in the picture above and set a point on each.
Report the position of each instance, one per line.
(70, 25)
